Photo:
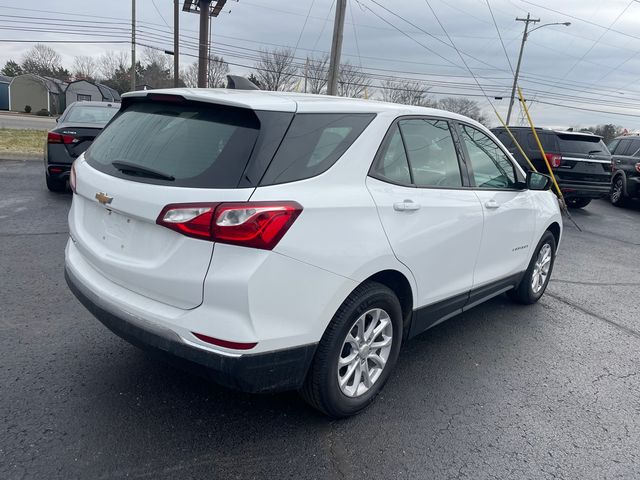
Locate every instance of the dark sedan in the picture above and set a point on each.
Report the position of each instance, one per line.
(77, 127)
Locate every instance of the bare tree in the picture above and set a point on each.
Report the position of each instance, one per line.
(407, 92)
(276, 70)
(217, 72)
(316, 71)
(463, 106)
(111, 62)
(85, 67)
(189, 75)
(43, 60)
(352, 81)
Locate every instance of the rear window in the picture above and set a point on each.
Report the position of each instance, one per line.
(199, 145)
(581, 144)
(314, 142)
(547, 139)
(90, 114)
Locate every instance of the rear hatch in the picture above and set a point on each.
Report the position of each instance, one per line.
(585, 158)
(155, 153)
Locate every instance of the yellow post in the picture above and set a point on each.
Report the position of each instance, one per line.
(544, 156)
(514, 140)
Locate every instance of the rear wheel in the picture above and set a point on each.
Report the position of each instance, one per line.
(536, 278)
(578, 202)
(357, 352)
(617, 192)
(56, 185)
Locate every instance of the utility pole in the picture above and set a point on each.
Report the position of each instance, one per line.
(133, 45)
(526, 21)
(176, 42)
(204, 43)
(336, 47)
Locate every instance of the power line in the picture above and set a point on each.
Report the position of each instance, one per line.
(495, 24)
(304, 25)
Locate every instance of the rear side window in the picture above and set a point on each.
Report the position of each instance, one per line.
(392, 164)
(198, 145)
(548, 141)
(314, 142)
(432, 153)
(504, 138)
(581, 144)
(635, 147)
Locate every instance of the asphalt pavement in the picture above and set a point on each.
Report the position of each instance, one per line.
(503, 391)
(27, 122)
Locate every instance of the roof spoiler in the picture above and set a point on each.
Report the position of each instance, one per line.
(236, 82)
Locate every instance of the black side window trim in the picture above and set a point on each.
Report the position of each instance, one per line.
(518, 174)
(462, 163)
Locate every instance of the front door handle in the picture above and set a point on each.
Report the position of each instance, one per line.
(407, 205)
(492, 204)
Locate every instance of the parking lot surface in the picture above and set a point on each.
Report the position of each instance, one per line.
(502, 391)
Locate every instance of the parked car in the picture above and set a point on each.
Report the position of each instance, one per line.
(291, 241)
(580, 161)
(625, 169)
(76, 129)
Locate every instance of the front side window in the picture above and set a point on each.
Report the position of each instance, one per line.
(391, 164)
(431, 152)
(491, 167)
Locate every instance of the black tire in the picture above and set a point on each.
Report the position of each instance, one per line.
(578, 202)
(321, 389)
(54, 185)
(616, 196)
(524, 292)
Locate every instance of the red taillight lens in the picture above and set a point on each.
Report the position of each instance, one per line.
(554, 159)
(53, 137)
(638, 167)
(72, 177)
(252, 224)
(224, 343)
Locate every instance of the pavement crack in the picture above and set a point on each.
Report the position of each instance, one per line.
(613, 323)
(597, 284)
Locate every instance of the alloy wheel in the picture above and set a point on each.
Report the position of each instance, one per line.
(541, 268)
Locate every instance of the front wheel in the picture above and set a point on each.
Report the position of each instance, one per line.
(356, 353)
(536, 278)
(578, 202)
(617, 192)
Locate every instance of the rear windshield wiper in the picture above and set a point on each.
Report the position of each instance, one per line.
(594, 151)
(135, 169)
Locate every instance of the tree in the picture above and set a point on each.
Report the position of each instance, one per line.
(255, 80)
(189, 75)
(276, 70)
(110, 62)
(352, 81)
(316, 71)
(44, 61)
(218, 70)
(463, 106)
(608, 131)
(406, 92)
(157, 68)
(11, 69)
(85, 67)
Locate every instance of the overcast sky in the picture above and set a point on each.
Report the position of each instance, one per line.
(594, 64)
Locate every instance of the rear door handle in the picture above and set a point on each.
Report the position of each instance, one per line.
(491, 204)
(407, 205)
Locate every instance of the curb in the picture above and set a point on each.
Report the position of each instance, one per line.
(26, 157)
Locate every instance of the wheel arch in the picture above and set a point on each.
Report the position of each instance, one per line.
(401, 286)
(556, 231)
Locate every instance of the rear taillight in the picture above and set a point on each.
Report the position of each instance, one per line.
(554, 159)
(638, 167)
(53, 137)
(72, 177)
(252, 224)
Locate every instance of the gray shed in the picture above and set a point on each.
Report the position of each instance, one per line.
(82, 90)
(4, 92)
(108, 93)
(37, 92)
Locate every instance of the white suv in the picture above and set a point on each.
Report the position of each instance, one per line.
(292, 241)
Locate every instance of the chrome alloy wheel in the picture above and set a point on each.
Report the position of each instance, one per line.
(617, 191)
(541, 268)
(365, 352)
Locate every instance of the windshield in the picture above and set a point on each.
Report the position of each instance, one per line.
(90, 114)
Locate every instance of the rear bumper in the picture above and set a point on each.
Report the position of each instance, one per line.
(585, 189)
(257, 373)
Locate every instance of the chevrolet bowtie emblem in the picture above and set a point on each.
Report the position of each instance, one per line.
(103, 198)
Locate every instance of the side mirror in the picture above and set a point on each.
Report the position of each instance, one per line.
(538, 181)
(57, 119)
